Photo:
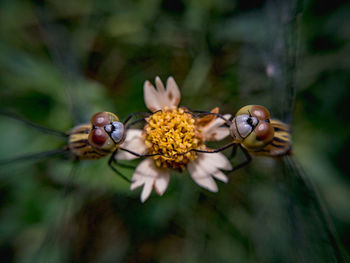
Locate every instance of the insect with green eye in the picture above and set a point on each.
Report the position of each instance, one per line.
(103, 136)
(254, 132)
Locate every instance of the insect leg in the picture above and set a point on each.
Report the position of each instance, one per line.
(133, 123)
(220, 149)
(142, 155)
(34, 125)
(233, 152)
(123, 164)
(110, 164)
(245, 162)
(144, 114)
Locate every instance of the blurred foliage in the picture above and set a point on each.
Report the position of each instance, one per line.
(62, 61)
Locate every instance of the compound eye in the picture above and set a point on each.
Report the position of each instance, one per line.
(108, 128)
(243, 127)
(100, 119)
(264, 132)
(117, 131)
(98, 137)
(252, 121)
(260, 112)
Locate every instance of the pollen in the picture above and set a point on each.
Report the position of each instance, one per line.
(172, 132)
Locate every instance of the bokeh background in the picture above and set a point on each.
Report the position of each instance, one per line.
(62, 61)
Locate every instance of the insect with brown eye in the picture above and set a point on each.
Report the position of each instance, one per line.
(103, 136)
(254, 132)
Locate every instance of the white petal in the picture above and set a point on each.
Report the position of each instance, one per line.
(207, 166)
(161, 183)
(159, 85)
(146, 191)
(211, 164)
(151, 97)
(160, 97)
(136, 182)
(201, 177)
(148, 175)
(217, 160)
(218, 121)
(162, 94)
(173, 92)
(145, 172)
(144, 175)
(213, 131)
(220, 176)
(217, 134)
(133, 142)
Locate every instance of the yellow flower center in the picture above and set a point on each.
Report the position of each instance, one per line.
(172, 132)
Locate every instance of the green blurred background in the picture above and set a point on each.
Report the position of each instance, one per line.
(62, 61)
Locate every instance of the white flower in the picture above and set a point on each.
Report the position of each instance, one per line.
(155, 172)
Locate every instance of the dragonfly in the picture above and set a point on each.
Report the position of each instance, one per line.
(254, 132)
(265, 199)
(101, 137)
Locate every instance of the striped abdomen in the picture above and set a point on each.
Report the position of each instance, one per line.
(79, 145)
(281, 143)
